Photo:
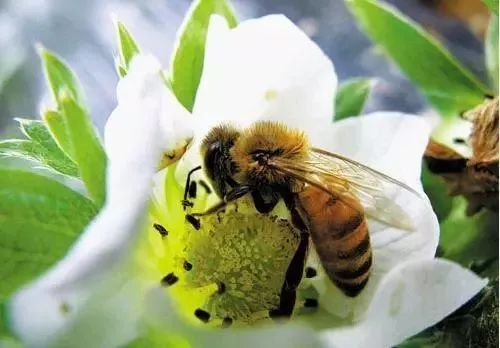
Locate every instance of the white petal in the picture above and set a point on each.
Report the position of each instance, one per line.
(146, 101)
(265, 68)
(414, 296)
(161, 315)
(390, 142)
(94, 288)
(394, 144)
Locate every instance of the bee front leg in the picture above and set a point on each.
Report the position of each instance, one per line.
(233, 195)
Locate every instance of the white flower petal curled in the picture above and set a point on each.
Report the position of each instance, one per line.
(95, 287)
(394, 144)
(265, 68)
(413, 296)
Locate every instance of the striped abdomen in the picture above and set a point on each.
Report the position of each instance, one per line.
(340, 235)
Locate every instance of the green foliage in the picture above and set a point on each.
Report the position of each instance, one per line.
(437, 191)
(127, 47)
(475, 324)
(40, 147)
(60, 77)
(39, 219)
(471, 240)
(491, 50)
(54, 121)
(448, 86)
(351, 97)
(88, 152)
(492, 5)
(71, 127)
(187, 60)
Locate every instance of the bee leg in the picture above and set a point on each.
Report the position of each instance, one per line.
(236, 193)
(265, 201)
(295, 269)
(185, 202)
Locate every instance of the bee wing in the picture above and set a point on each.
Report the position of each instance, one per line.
(363, 188)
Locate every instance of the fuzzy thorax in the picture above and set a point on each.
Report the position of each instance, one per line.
(270, 139)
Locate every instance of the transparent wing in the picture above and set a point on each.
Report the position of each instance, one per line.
(357, 185)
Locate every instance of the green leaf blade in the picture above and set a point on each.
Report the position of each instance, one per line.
(89, 154)
(60, 77)
(492, 5)
(42, 148)
(57, 127)
(351, 97)
(39, 218)
(448, 86)
(32, 151)
(187, 60)
(127, 47)
(491, 51)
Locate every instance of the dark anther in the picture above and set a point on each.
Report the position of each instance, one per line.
(187, 266)
(193, 221)
(169, 279)
(185, 203)
(310, 272)
(275, 313)
(221, 288)
(192, 189)
(162, 230)
(204, 316)
(311, 303)
(459, 141)
(227, 322)
(205, 186)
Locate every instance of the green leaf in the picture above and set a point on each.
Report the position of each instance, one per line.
(435, 188)
(57, 127)
(491, 50)
(88, 153)
(40, 148)
(39, 218)
(448, 86)
(492, 5)
(60, 77)
(127, 47)
(351, 97)
(32, 151)
(187, 60)
(470, 240)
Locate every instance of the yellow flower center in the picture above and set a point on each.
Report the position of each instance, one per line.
(224, 268)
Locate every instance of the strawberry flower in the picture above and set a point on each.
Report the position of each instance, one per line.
(142, 270)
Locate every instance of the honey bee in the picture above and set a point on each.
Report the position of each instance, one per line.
(329, 198)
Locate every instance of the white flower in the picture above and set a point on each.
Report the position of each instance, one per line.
(100, 295)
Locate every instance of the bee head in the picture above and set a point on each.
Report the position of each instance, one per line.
(217, 162)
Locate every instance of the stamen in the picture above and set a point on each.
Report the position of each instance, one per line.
(459, 141)
(311, 303)
(310, 272)
(204, 316)
(169, 279)
(193, 221)
(221, 288)
(226, 322)
(162, 230)
(187, 266)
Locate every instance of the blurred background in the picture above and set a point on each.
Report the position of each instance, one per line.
(81, 31)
